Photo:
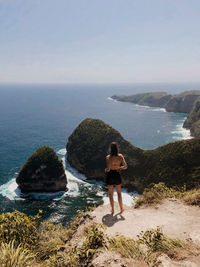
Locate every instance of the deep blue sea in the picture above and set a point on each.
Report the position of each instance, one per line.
(36, 115)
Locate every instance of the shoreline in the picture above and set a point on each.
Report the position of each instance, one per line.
(187, 131)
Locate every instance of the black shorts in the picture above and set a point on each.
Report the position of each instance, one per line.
(113, 178)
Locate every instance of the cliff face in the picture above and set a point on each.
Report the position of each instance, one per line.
(174, 164)
(42, 172)
(182, 104)
(193, 120)
(172, 103)
(158, 99)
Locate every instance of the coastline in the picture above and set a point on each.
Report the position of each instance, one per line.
(186, 133)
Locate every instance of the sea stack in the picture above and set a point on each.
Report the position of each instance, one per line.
(42, 172)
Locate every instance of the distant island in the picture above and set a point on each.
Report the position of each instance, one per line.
(186, 102)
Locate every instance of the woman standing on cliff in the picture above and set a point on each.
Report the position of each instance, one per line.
(115, 162)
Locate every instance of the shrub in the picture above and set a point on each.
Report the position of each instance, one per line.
(95, 238)
(155, 241)
(15, 256)
(20, 228)
(128, 247)
(192, 197)
(51, 239)
(62, 259)
(157, 192)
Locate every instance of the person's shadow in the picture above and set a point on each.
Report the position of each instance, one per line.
(110, 219)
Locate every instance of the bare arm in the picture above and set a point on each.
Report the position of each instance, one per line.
(124, 164)
(107, 164)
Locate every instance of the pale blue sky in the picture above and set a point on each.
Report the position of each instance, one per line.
(61, 41)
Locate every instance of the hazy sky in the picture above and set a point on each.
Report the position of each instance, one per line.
(60, 41)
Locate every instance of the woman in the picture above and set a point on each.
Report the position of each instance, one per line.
(115, 163)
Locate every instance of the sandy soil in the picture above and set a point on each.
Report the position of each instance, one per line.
(176, 220)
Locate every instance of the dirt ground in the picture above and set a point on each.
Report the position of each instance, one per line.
(176, 219)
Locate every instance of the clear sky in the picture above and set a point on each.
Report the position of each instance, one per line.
(69, 41)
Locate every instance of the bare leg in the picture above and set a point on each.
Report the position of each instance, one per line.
(118, 189)
(110, 190)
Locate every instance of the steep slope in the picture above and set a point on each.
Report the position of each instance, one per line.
(174, 164)
(42, 172)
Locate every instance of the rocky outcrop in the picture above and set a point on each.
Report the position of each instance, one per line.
(174, 164)
(193, 120)
(172, 103)
(182, 103)
(42, 172)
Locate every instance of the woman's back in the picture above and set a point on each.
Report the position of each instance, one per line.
(114, 162)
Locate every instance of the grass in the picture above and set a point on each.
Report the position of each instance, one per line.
(147, 247)
(59, 246)
(157, 192)
(192, 197)
(15, 256)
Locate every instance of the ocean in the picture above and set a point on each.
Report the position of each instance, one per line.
(46, 114)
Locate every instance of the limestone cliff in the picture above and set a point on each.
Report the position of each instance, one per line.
(193, 120)
(174, 164)
(156, 99)
(183, 102)
(42, 172)
(172, 103)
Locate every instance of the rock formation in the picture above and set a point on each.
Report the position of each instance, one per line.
(174, 164)
(172, 103)
(193, 120)
(42, 172)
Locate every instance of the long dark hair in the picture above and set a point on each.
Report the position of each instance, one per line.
(114, 149)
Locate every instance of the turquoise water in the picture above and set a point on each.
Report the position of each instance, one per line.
(36, 115)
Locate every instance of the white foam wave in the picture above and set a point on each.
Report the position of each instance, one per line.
(110, 98)
(12, 192)
(62, 152)
(181, 133)
(75, 181)
(159, 109)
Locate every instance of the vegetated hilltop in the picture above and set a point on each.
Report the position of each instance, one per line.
(157, 99)
(174, 164)
(193, 120)
(42, 172)
(173, 103)
(186, 102)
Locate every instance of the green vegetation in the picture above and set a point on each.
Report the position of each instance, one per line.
(192, 197)
(182, 102)
(15, 256)
(157, 192)
(19, 228)
(147, 247)
(175, 164)
(156, 241)
(43, 171)
(155, 99)
(58, 246)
